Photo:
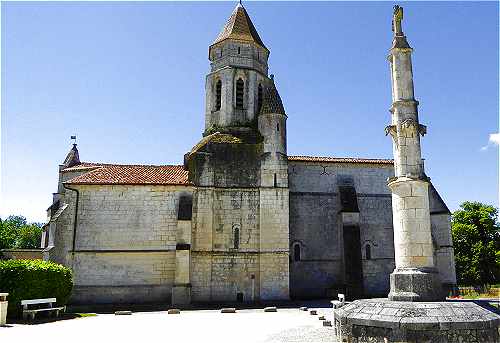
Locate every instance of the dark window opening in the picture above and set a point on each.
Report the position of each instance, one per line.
(259, 98)
(296, 252)
(236, 238)
(278, 127)
(240, 89)
(239, 50)
(368, 252)
(218, 95)
(220, 52)
(185, 207)
(275, 181)
(239, 297)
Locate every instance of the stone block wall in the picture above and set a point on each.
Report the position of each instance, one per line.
(221, 276)
(274, 243)
(316, 225)
(125, 242)
(123, 277)
(21, 254)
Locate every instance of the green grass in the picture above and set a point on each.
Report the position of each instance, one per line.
(82, 315)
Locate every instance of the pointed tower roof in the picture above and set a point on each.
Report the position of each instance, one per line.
(271, 102)
(240, 27)
(72, 158)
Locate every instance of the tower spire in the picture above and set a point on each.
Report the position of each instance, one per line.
(415, 277)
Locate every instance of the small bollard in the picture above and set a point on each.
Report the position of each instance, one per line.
(3, 308)
(327, 323)
(303, 308)
(270, 309)
(123, 313)
(174, 311)
(228, 310)
(321, 317)
(313, 312)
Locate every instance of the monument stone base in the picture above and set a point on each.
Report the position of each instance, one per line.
(385, 321)
(416, 284)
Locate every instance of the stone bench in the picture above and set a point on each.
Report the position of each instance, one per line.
(46, 302)
(338, 303)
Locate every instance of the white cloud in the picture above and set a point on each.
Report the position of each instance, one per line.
(494, 140)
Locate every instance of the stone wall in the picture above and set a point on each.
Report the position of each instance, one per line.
(21, 254)
(316, 226)
(225, 244)
(220, 276)
(125, 242)
(228, 252)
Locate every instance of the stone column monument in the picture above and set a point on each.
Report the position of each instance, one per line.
(416, 310)
(415, 277)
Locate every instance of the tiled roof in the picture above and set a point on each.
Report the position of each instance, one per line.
(83, 166)
(339, 159)
(272, 101)
(240, 27)
(123, 174)
(120, 174)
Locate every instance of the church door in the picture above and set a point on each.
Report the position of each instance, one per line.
(352, 263)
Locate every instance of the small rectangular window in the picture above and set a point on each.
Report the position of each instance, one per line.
(185, 207)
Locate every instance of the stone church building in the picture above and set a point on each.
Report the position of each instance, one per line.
(240, 220)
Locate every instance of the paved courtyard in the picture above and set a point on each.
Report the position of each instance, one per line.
(251, 325)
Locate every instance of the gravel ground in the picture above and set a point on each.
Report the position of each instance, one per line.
(253, 325)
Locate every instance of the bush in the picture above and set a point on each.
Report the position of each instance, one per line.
(34, 279)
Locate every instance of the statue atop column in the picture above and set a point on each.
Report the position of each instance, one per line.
(397, 17)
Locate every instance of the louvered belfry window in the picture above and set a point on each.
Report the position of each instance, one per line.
(240, 88)
(218, 94)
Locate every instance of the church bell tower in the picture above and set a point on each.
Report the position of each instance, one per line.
(239, 173)
(238, 76)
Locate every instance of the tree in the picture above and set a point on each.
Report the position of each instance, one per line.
(476, 240)
(15, 232)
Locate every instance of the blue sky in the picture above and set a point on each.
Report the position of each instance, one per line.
(128, 79)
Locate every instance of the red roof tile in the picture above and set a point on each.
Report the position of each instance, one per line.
(123, 174)
(120, 174)
(339, 159)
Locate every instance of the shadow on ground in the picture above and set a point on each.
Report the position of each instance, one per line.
(43, 319)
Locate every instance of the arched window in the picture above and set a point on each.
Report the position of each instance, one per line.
(239, 50)
(296, 252)
(218, 94)
(278, 127)
(259, 98)
(236, 239)
(240, 89)
(368, 252)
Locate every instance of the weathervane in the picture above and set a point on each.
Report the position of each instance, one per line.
(73, 138)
